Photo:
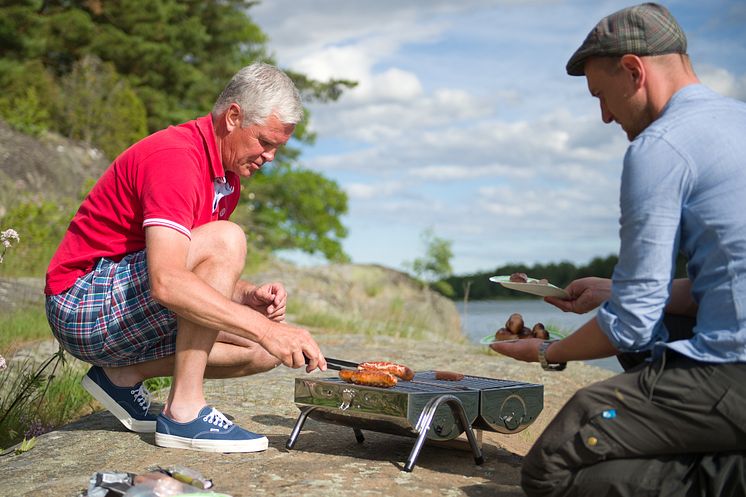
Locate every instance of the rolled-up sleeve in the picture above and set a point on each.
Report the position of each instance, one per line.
(656, 180)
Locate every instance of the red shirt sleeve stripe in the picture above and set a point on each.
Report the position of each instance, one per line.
(168, 224)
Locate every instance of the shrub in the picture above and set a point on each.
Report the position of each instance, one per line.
(43, 223)
(101, 108)
(29, 96)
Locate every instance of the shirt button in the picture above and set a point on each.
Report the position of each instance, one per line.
(222, 212)
(592, 441)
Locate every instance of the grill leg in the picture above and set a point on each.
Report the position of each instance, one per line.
(359, 435)
(426, 419)
(304, 412)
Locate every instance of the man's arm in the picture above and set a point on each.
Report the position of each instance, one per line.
(681, 301)
(176, 287)
(588, 293)
(589, 342)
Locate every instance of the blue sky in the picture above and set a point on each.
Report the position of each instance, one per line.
(464, 121)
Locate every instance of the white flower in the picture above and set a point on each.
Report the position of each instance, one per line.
(9, 236)
(3, 364)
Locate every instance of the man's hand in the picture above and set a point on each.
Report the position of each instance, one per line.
(526, 349)
(269, 299)
(585, 295)
(293, 346)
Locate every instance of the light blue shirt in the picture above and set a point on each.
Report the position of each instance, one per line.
(684, 188)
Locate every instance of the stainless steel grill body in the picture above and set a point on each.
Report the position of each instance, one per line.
(390, 410)
(505, 406)
(490, 404)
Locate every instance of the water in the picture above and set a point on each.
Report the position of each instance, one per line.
(483, 317)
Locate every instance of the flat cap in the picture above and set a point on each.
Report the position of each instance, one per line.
(645, 29)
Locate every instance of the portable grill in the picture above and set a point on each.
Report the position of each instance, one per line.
(425, 408)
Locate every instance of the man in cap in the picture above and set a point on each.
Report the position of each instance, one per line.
(674, 424)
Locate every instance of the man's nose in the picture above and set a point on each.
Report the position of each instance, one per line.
(606, 116)
(269, 154)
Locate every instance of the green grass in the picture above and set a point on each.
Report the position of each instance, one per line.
(398, 322)
(38, 397)
(24, 325)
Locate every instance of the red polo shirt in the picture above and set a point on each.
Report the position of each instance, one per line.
(172, 178)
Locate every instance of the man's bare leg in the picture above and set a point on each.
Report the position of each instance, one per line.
(217, 255)
(226, 360)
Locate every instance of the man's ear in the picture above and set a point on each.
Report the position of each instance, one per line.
(634, 67)
(232, 117)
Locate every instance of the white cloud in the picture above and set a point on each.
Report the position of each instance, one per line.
(464, 120)
(724, 82)
(367, 191)
(463, 172)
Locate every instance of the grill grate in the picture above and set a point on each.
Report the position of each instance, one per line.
(406, 387)
(472, 382)
(425, 382)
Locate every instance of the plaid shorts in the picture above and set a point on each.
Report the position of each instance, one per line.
(109, 318)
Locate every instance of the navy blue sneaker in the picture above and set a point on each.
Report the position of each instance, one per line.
(210, 431)
(129, 404)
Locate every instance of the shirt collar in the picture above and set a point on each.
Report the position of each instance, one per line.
(207, 130)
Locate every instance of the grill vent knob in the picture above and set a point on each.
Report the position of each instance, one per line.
(512, 412)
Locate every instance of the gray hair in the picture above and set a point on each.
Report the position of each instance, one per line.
(261, 90)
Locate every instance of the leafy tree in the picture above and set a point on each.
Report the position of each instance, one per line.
(29, 96)
(101, 107)
(435, 266)
(172, 57)
(602, 267)
(292, 208)
(25, 112)
(176, 55)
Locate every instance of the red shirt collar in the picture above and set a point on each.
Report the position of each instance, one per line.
(207, 130)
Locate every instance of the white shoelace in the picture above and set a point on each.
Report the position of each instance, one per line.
(217, 418)
(142, 397)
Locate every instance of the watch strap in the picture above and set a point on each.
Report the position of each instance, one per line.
(547, 366)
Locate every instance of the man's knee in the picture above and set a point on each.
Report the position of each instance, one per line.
(229, 239)
(563, 448)
(535, 478)
(222, 241)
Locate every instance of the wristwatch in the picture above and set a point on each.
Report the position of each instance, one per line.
(543, 358)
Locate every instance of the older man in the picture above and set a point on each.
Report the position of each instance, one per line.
(675, 424)
(146, 281)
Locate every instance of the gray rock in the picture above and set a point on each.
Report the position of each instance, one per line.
(326, 460)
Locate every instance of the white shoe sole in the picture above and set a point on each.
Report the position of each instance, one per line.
(118, 411)
(174, 442)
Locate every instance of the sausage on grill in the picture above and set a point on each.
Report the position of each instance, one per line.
(397, 370)
(448, 376)
(368, 377)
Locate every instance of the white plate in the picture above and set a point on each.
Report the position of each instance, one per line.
(533, 287)
(490, 339)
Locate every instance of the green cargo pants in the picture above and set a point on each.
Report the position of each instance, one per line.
(674, 427)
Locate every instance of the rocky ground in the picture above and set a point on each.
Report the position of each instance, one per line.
(326, 460)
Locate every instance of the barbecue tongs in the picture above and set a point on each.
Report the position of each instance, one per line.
(338, 364)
